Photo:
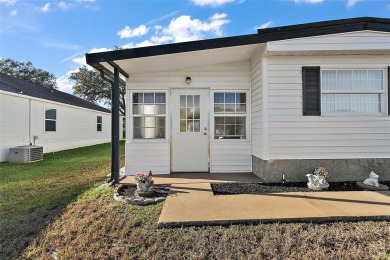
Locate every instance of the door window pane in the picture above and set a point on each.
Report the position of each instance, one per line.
(190, 113)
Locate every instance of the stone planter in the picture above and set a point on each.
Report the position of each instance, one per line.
(317, 182)
(143, 186)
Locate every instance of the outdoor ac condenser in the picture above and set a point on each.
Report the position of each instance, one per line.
(26, 154)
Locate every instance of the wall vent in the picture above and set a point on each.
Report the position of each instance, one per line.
(26, 154)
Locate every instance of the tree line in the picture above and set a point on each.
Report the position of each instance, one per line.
(87, 82)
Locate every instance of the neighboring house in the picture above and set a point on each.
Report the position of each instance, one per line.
(56, 119)
(284, 100)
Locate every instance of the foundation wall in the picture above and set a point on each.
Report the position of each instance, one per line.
(339, 170)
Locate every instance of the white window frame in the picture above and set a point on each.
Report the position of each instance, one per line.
(166, 115)
(44, 116)
(101, 124)
(247, 116)
(383, 92)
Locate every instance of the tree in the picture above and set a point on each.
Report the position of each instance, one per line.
(26, 71)
(90, 86)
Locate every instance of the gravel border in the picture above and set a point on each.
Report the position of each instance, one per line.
(230, 188)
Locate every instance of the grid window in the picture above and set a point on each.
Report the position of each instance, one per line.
(149, 114)
(189, 113)
(99, 121)
(230, 115)
(50, 119)
(352, 91)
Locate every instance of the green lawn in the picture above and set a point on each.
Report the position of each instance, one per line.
(33, 194)
(97, 227)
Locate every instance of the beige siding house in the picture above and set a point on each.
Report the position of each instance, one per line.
(282, 101)
(33, 114)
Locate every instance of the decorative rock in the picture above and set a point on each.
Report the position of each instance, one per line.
(372, 180)
(149, 201)
(381, 187)
(317, 182)
(159, 199)
(148, 193)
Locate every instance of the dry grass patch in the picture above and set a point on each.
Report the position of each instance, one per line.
(97, 227)
(33, 194)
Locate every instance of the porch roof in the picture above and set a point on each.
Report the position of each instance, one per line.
(213, 51)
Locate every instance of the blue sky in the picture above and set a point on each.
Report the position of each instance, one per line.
(55, 35)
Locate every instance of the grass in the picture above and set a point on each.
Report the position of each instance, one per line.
(33, 194)
(97, 227)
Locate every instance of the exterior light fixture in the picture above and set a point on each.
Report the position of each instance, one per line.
(188, 80)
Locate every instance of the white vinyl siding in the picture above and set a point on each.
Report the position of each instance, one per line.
(76, 127)
(293, 136)
(362, 40)
(256, 103)
(219, 77)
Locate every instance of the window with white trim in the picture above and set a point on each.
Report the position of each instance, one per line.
(230, 114)
(99, 123)
(50, 120)
(149, 115)
(352, 91)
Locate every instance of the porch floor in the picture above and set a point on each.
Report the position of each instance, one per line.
(192, 202)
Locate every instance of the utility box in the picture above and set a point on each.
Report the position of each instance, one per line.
(26, 154)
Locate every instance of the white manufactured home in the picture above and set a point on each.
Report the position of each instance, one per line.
(281, 101)
(33, 114)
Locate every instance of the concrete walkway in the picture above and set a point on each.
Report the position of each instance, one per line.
(192, 202)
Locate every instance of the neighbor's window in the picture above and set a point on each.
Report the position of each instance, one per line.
(99, 121)
(149, 114)
(50, 119)
(230, 113)
(352, 91)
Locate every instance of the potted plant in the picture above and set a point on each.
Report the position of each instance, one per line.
(143, 180)
(317, 179)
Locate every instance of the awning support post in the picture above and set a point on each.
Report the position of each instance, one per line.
(115, 156)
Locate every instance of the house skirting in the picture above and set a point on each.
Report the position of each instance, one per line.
(339, 170)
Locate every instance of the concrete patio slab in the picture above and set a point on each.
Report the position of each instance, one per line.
(192, 202)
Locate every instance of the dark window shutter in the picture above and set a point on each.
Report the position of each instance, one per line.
(388, 91)
(311, 87)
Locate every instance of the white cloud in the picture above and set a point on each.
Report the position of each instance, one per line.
(94, 50)
(45, 8)
(64, 83)
(88, 1)
(145, 44)
(127, 32)
(63, 5)
(264, 25)
(351, 3)
(212, 3)
(183, 28)
(309, 1)
(8, 2)
(13, 12)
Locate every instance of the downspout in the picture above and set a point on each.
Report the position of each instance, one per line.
(30, 122)
(114, 177)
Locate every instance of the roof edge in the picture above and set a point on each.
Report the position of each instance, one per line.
(263, 36)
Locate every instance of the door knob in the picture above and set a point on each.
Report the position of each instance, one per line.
(205, 133)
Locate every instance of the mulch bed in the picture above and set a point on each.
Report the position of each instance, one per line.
(158, 191)
(261, 188)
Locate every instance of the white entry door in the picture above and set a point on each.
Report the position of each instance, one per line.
(190, 130)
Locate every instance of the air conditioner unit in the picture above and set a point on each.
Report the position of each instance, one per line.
(26, 154)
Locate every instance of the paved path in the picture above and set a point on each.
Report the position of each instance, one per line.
(192, 202)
